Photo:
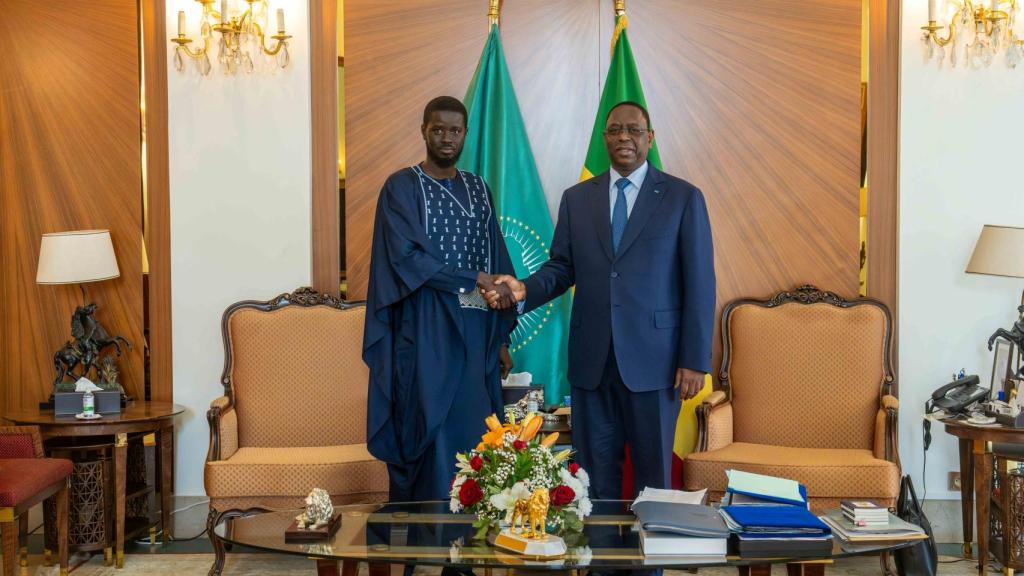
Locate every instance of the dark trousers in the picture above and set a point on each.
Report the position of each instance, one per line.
(606, 418)
(611, 415)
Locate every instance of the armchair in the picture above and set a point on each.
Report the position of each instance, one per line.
(806, 393)
(293, 411)
(27, 478)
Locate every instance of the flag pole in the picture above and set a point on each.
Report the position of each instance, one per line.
(620, 22)
(493, 13)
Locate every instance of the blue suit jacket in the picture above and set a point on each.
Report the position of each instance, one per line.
(655, 298)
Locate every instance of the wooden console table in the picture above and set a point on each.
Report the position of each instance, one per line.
(138, 418)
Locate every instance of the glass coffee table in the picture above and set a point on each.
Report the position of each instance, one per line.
(427, 534)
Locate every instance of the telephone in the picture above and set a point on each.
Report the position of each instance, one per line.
(957, 395)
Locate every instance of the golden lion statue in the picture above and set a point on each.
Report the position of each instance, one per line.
(534, 511)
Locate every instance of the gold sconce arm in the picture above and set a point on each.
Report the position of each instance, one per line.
(183, 41)
(932, 29)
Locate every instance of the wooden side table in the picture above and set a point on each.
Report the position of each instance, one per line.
(976, 476)
(136, 418)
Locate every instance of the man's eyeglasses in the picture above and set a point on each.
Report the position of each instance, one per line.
(634, 131)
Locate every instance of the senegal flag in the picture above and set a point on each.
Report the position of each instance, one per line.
(623, 85)
(497, 149)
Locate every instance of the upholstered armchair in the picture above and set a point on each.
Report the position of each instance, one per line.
(806, 384)
(293, 411)
(27, 478)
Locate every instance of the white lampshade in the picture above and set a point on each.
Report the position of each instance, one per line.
(75, 257)
(999, 252)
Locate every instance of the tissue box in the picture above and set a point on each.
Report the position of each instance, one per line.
(68, 403)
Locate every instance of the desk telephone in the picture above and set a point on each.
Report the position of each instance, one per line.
(957, 395)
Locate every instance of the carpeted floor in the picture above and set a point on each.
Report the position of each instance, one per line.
(244, 564)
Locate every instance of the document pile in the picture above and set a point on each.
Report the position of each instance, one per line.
(677, 523)
(894, 529)
(865, 513)
(770, 518)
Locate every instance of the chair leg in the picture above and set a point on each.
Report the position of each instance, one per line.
(218, 544)
(755, 570)
(9, 534)
(23, 540)
(886, 560)
(62, 527)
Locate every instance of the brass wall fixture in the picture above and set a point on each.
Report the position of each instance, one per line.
(976, 32)
(242, 25)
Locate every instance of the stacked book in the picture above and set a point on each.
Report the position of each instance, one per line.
(770, 517)
(676, 523)
(865, 513)
(895, 528)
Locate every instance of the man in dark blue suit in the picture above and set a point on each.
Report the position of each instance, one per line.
(636, 243)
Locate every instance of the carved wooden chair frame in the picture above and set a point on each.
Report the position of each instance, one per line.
(305, 297)
(804, 295)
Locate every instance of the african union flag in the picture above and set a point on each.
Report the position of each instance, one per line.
(498, 149)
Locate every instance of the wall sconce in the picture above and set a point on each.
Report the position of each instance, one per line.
(984, 28)
(241, 37)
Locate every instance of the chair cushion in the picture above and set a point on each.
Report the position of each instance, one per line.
(344, 469)
(827, 472)
(23, 478)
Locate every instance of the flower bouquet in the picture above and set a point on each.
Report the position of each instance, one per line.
(508, 465)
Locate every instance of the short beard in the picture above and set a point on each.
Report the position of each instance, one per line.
(443, 162)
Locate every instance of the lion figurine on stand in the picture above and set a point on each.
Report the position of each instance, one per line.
(532, 513)
(319, 511)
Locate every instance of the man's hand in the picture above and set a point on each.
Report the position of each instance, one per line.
(505, 360)
(688, 382)
(504, 282)
(485, 282)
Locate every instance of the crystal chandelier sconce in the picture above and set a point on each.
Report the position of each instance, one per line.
(241, 40)
(977, 33)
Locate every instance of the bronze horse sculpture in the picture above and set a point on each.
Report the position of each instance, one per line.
(89, 339)
(1014, 335)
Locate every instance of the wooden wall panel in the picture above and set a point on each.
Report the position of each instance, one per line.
(323, 24)
(400, 54)
(757, 102)
(69, 115)
(158, 234)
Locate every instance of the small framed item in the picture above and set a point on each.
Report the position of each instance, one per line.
(1002, 366)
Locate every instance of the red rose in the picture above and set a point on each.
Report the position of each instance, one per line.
(470, 493)
(562, 495)
(573, 468)
(476, 463)
(519, 445)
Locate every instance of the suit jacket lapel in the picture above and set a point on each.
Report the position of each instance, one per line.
(602, 213)
(646, 205)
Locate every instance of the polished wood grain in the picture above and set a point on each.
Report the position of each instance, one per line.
(323, 42)
(158, 221)
(400, 54)
(883, 157)
(757, 102)
(69, 114)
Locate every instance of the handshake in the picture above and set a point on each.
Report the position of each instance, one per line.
(501, 291)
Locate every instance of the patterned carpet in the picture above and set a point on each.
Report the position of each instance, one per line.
(242, 564)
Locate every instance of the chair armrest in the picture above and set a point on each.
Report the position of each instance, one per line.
(714, 422)
(886, 445)
(223, 429)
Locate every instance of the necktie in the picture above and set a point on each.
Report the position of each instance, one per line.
(619, 215)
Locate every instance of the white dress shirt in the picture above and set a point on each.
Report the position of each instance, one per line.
(636, 181)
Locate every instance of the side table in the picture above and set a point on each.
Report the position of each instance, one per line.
(138, 418)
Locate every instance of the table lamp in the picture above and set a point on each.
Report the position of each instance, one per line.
(77, 257)
(999, 251)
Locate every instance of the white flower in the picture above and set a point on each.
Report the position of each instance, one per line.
(583, 477)
(462, 463)
(459, 481)
(584, 507)
(454, 505)
(577, 487)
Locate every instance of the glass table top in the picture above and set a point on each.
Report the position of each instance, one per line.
(426, 533)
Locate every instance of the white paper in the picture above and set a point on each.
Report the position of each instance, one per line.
(762, 485)
(518, 379)
(83, 384)
(671, 496)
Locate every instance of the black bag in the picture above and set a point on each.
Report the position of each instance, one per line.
(921, 559)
